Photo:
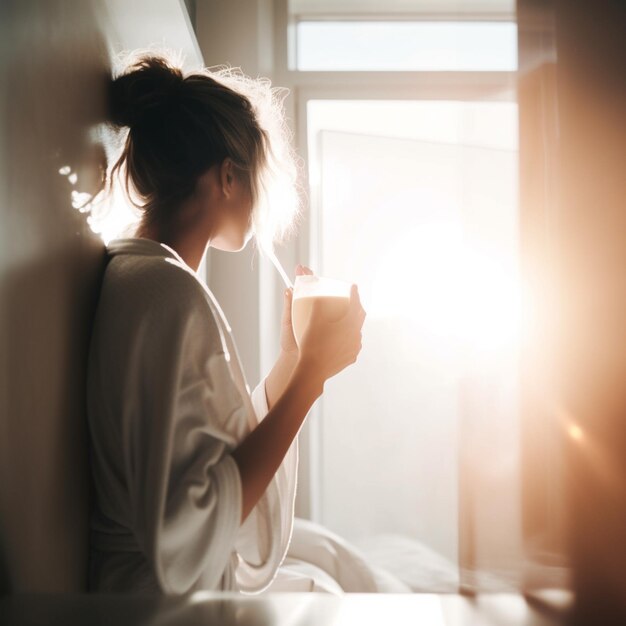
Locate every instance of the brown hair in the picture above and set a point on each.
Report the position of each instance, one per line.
(181, 125)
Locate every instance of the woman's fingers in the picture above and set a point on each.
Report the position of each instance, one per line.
(302, 270)
(356, 311)
(355, 301)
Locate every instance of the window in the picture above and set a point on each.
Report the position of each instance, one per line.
(411, 149)
(406, 46)
(417, 203)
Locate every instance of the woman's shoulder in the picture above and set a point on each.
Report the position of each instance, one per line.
(135, 283)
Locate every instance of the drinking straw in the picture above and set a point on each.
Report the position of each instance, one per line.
(280, 268)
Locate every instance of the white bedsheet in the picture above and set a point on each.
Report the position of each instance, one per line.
(320, 560)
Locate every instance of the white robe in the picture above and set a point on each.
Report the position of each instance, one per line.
(167, 404)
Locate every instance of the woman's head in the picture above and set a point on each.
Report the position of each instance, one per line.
(191, 132)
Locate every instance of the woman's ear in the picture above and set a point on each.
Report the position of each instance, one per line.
(227, 176)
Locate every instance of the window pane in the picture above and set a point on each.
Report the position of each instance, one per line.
(426, 224)
(406, 46)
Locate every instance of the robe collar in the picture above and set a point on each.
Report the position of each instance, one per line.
(145, 247)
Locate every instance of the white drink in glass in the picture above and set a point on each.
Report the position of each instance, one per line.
(333, 294)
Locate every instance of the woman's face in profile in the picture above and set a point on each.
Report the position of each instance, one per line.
(236, 225)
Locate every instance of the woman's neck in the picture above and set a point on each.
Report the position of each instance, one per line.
(190, 241)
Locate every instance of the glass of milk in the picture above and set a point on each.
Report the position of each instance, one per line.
(334, 294)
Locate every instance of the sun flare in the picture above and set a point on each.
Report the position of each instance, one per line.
(453, 290)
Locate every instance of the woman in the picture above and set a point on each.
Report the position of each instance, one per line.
(194, 477)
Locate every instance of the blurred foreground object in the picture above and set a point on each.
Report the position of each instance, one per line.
(591, 251)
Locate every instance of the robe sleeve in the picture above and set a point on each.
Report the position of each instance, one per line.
(185, 487)
(264, 536)
(259, 400)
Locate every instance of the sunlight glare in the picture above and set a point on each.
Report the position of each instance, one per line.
(451, 289)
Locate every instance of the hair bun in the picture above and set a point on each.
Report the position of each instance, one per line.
(142, 90)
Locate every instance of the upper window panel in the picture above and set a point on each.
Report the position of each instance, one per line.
(405, 45)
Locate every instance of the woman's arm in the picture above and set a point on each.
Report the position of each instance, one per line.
(327, 348)
(277, 380)
(260, 454)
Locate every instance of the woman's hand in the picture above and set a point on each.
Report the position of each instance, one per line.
(329, 346)
(276, 381)
(288, 345)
